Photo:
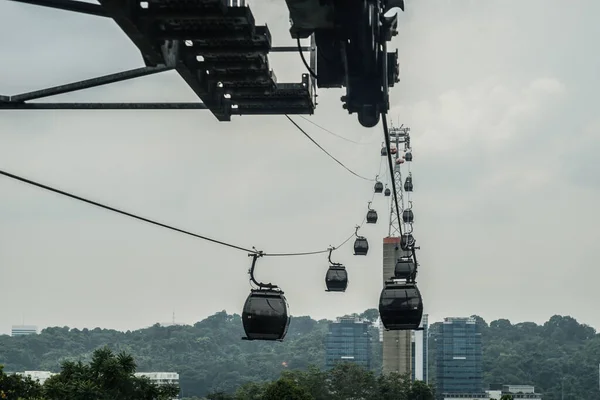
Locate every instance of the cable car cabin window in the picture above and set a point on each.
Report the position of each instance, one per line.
(265, 315)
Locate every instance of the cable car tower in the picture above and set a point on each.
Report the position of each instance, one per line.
(397, 136)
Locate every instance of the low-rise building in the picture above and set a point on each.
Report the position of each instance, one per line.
(40, 376)
(496, 391)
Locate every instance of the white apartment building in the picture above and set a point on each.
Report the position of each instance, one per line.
(40, 376)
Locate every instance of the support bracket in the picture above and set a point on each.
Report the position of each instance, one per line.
(19, 101)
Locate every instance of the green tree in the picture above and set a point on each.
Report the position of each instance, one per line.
(250, 391)
(286, 388)
(220, 396)
(107, 376)
(419, 390)
(17, 387)
(393, 386)
(350, 381)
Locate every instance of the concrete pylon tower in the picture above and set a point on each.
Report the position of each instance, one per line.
(397, 345)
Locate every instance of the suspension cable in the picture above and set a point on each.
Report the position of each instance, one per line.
(163, 225)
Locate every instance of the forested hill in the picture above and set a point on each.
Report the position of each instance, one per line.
(210, 356)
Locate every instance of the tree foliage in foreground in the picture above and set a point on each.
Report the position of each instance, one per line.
(108, 376)
(210, 357)
(345, 381)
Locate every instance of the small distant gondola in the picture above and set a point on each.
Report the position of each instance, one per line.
(371, 215)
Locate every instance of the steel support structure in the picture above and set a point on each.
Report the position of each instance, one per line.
(398, 135)
(21, 101)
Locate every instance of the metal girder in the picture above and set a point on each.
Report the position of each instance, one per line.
(163, 49)
(69, 5)
(289, 49)
(88, 83)
(18, 102)
(101, 106)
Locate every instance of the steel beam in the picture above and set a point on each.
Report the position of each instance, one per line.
(69, 5)
(289, 49)
(102, 106)
(89, 83)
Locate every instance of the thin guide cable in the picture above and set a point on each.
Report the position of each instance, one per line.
(326, 152)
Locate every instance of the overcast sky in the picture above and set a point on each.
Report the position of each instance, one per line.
(501, 98)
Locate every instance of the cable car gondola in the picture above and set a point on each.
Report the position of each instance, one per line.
(383, 150)
(408, 156)
(405, 269)
(400, 306)
(378, 187)
(387, 192)
(336, 278)
(371, 215)
(265, 314)
(407, 241)
(408, 184)
(361, 245)
(408, 216)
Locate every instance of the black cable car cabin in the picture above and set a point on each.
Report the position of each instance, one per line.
(378, 187)
(361, 246)
(407, 241)
(336, 278)
(408, 156)
(388, 192)
(400, 306)
(408, 216)
(383, 151)
(408, 184)
(265, 315)
(405, 269)
(372, 216)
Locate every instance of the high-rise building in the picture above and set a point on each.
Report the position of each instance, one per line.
(459, 366)
(397, 345)
(420, 352)
(348, 340)
(22, 330)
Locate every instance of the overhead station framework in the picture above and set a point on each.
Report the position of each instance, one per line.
(214, 45)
